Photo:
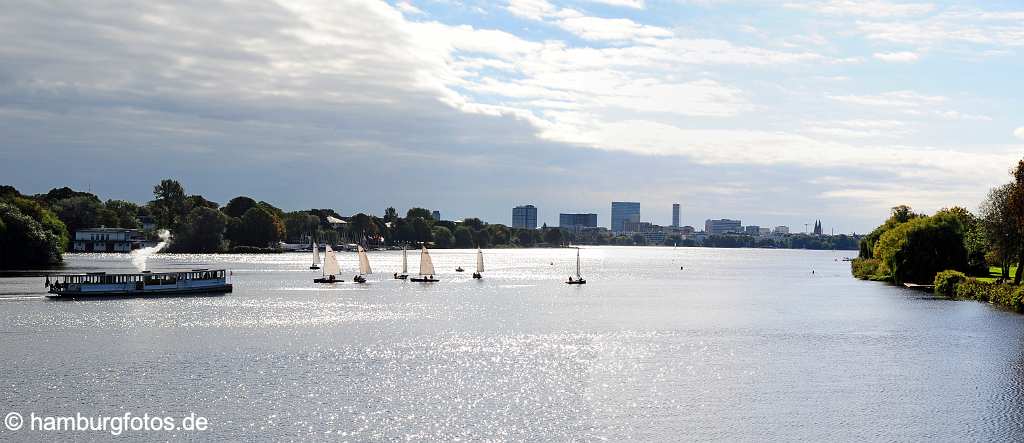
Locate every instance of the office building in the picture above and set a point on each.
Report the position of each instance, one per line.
(524, 217)
(752, 230)
(675, 215)
(633, 227)
(765, 232)
(436, 215)
(577, 221)
(623, 212)
(722, 226)
(781, 230)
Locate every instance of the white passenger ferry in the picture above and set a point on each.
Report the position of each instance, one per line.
(196, 281)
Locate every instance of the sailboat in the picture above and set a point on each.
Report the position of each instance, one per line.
(579, 278)
(364, 266)
(405, 266)
(331, 268)
(426, 268)
(479, 264)
(316, 257)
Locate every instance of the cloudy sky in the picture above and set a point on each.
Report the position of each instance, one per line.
(773, 112)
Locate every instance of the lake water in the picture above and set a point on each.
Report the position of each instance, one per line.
(661, 344)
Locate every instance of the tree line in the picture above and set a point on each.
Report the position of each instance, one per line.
(915, 247)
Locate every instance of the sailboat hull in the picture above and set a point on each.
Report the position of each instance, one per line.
(477, 275)
(401, 277)
(314, 267)
(328, 280)
(576, 282)
(424, 280)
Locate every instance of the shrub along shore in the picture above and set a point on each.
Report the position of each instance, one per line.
(953, 249)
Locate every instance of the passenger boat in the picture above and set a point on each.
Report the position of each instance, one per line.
(426, 268)
(196, 281)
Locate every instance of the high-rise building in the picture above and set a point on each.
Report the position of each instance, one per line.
(524, 217)
(577, 221)
(722, 226)
(675, 215)
(436, 214)
(781, 230)
(623, 212)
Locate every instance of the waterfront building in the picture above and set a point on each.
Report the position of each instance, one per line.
(781, 230)
(722, 226)
(675, 215)
(752, 230)
(765, 232)
(633, 227)
(654, 237)
(436, 215)
(108, 240)
(623, 212)
(524, 217)
(577, 221)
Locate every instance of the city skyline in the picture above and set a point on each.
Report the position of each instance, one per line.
(806, 109)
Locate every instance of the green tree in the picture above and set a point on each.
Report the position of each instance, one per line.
(24, 241)
(46, 218)
(259, 227)
(920, 248)
(899, 215)
(1001, 235)
(78, 212)
(482, 238)
(238, 206)
(391, 215)
(120, 214)
(553, 236)
(525, 237)
(1015, 207)
(419, 213)
(301, 226)
(422, 230)
(463, 237)
(169, 203)
(201, 231)
(443, 238)
(473, 223)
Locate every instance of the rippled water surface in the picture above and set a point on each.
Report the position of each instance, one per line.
(661, 344)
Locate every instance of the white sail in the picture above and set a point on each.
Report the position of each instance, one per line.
(316, 254)
(426, 264)
(479, 260)
(364, 262)
(405, 262)
(577, 262)
(331, 266)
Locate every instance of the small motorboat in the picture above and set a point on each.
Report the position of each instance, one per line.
(459, 269)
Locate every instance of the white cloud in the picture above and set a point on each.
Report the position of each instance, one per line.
(1019, 132)
(635, 4)
(896, 99)
(531, 9)
(954, 25)
(867, 8)
(613, 29)
(409, 8)
(897, 57)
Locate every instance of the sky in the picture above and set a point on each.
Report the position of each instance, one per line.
(771, 112)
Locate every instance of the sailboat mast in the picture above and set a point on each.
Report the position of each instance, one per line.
(577, 262)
